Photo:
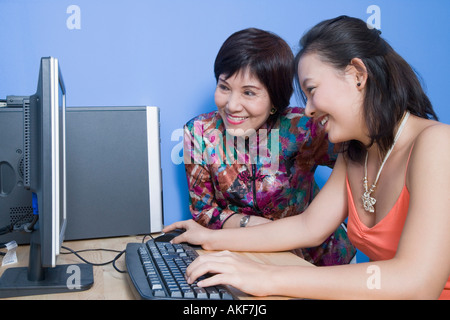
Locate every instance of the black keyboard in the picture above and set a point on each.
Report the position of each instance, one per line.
(157, 271)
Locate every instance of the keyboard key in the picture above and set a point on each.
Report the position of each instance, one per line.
(213, 293)
(156, 286)
(176, 294)
(200, 293)
(225, 294)
(159, 293)
(188, 293)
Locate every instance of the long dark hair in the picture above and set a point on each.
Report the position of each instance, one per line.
(392, 85)
(267, 56)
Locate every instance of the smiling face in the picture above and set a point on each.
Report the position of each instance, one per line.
(243, 102)
(334, 98)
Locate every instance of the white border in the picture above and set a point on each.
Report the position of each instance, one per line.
(54, 123)
(154, 170)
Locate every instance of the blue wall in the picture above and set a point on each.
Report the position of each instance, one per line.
(161, 53)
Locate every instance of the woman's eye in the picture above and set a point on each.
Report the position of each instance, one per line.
(223, 87)
(249, 93)
(310, 89)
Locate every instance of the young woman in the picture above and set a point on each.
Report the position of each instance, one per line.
(391, 181)
(252, 161)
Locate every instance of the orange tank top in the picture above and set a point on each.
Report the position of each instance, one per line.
(380, 242)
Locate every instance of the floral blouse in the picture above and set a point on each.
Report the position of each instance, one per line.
(268, 173)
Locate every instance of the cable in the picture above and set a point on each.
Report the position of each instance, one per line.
(150, 235)
(2, 245)
(29, 227)
(113, 261)
(20, 225)
(6, 229)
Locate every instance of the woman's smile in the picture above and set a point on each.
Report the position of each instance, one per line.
(235, 120)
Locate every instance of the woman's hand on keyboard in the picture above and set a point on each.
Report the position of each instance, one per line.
(194, 233)
(233, 269)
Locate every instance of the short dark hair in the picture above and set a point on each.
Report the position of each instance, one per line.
(392, 86)
(266, 55)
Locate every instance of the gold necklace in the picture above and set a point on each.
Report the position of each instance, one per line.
(368, 201)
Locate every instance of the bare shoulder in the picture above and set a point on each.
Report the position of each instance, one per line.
(433, 132)
(434, 138)
(431, 151)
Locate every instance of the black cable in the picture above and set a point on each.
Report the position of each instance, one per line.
(7, 229)
(143, 239)
(2, 245)
(30, 226)
(20, 226)
(113, 261)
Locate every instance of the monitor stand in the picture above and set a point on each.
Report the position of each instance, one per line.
(37, 280)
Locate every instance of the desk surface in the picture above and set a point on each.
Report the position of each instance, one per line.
(109, 284)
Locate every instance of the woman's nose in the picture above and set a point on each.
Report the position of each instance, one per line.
(234, 103)
(310, 111)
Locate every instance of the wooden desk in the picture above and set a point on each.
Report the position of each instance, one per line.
(109, 284)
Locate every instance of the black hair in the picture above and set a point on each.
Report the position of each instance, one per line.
(392, 86)
(266, 55)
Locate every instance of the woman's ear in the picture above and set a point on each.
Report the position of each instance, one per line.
(359, 70)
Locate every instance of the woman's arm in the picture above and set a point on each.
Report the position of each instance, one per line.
(425, 240)
(309, 229)
(380, 280)
(235, 221)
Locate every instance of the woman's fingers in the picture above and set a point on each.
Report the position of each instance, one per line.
(194, 233)
(222, 266)
(176, 225)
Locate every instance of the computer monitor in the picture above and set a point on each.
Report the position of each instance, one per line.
(44, 158)
(44, 172)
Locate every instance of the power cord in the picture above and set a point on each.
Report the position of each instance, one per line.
(113, 261)
(27, 226)
(147, 235)
(2, 245)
